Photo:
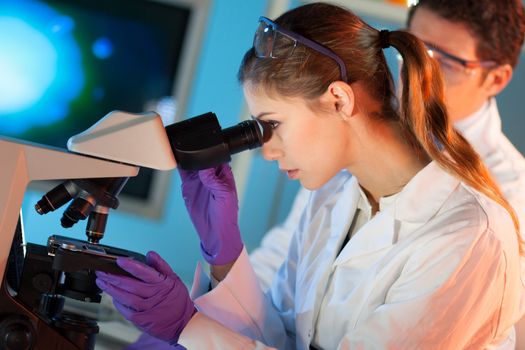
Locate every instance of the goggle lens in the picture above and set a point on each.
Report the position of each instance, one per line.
(269, 42)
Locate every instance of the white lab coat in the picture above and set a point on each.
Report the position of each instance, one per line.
(438, 269)
(270, 254)
(482, 130)
(506, 164)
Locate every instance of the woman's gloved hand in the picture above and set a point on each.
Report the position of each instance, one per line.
(156, 300)
(211, 200)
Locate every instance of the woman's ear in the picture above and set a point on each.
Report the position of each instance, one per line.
(342, 98)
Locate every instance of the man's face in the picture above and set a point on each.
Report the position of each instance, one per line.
(464, 90)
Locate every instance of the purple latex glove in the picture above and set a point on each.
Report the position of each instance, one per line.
(211, 200)
(156, 300)
(146, 341)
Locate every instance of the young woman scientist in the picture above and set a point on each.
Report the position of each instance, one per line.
(424, 255)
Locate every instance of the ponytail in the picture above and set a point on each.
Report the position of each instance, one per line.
(424, 116)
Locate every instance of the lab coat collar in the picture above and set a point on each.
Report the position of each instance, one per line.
(424, 195)
(415, 205)
(483, 128)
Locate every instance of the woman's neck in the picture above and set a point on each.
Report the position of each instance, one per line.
(387, 162)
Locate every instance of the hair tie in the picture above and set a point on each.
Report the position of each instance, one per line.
(384, 38)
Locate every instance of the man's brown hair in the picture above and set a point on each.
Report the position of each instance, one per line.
(498, 26)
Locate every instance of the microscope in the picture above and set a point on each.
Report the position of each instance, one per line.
(36, 279)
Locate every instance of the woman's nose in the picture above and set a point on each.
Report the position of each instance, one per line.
(270, 152)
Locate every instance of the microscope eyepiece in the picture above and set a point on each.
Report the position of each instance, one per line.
(246, 135)
(199, 142)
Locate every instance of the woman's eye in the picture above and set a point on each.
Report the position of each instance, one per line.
(273, 124)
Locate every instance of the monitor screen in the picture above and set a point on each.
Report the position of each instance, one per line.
(67, 63)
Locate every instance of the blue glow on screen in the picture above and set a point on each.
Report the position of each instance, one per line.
(40, 64)
(102, 48)
(64, 64)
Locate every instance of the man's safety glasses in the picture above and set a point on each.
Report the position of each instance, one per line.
(450, 61)
(454, 68)
(272, 41)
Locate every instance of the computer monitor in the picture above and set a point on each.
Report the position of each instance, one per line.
(66, 63)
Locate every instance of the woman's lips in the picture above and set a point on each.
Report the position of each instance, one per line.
(293, 174)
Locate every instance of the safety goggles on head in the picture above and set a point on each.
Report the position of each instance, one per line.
(272, 41)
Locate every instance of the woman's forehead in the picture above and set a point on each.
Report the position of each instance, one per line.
(261, 93)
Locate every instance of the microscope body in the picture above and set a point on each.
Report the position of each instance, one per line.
(36, 279)
(22, 325)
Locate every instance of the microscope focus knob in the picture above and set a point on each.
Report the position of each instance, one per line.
(17, 333)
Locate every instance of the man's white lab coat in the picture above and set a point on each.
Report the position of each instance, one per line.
(437, 269)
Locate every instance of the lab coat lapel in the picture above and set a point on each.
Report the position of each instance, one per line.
(313, 281)
(375, 235)
(419, 200)
(341, 218)
(327, 244)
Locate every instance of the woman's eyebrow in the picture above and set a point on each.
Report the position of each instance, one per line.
(262, 114)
